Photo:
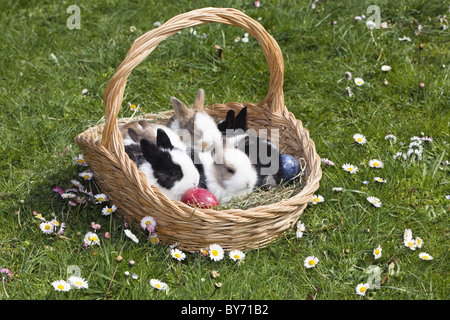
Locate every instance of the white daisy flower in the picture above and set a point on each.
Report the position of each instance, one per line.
(359, 138)
(410, 243)
(350, 168)
(337, 189)
(377, 252)
(87, 175)
(371, 24)
(419, 242)
(130, 235)
(375, 201)
(316, 199)
(39, 216)
(68, 195)
(106, 211)
(407, 234)
(378, 179)
(300, 229)
(390, 137)
(310, 262)
(61, 285)
(425, 256)
(132, 28)
(80, 160)
(154, 238)
(375, 163)
(400, 154)
(148, 223)
(91, 238)
(177, 254)
(78, 282)
(215, 252)
(236, 255)
(359, 81)
(362, 288)
(101, 197)
(47, 227)
(385, 68)
(157, 284)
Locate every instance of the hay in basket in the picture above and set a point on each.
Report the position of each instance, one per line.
(194, 228)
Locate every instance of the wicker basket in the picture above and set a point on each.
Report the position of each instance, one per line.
(193, 228)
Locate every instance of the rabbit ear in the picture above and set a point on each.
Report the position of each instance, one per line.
(181, 111)
(163, 140)
(241, 120)
(150, 151)
(199, 100)
(133, 135)
(228, 123)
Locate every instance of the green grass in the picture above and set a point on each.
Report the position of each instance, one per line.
(45, 66)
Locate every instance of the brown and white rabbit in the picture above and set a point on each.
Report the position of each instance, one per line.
(161, 156)
(225, 171)
(194, 123)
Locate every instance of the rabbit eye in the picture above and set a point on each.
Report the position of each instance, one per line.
(229, 169)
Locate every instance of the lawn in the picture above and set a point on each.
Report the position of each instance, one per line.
(52, 80)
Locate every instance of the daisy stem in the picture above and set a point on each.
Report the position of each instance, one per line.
(114, 273)
(4, 289)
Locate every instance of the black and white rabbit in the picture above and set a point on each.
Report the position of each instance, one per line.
(234, 124)
(161, 156)
(264, 155)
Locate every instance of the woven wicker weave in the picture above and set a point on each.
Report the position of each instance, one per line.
(193, 228)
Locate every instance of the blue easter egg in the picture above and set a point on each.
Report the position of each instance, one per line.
(290, 167)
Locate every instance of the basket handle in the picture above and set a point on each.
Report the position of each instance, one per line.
(146, 43)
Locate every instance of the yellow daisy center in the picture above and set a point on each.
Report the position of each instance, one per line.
(78, 283)
(154, 240)
(147, 222)
(80, 161)
(158, 286)
(316, 199)
(377, 251)
(60, 287)
(362, 289)
(425, 257)
(350, 169)
(359, 140)
(375, 164)
(177, 255)
(100, 199)
(311, 262)
(133, 106)
(236, 256)
(109, 210)
(215, 253)
(94, 239)
(47, 227)
(86, 176)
